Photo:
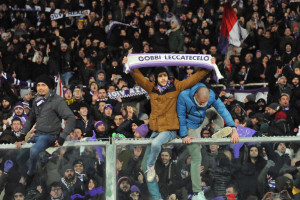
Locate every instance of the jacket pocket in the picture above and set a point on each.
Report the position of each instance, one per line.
(153, 123)
(172, 121)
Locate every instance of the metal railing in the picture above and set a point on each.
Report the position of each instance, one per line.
(111, 153)
(238, 85)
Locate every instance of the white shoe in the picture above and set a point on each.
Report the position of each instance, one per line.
(150, 173)
(224, 132)
(199, 196)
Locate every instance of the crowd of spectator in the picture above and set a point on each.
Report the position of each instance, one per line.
(86, 52)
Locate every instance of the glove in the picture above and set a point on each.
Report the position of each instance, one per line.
(60, 141)
(21, 138)
(270, 163)
(7, 165)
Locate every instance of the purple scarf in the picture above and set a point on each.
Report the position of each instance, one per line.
(23, 118)
(161, 88)
(91, 193)
(40, 102)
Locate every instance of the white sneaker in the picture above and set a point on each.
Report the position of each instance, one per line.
(199, 196)
(150, 173)
(224, 132)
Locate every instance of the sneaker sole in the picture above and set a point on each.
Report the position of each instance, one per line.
(222, 133)
(150, 179)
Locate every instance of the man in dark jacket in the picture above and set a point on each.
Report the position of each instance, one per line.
(10, 135)
(66, 60)
(38, 68)
(176, 38)
(159, 40)
(47, 112)
(71, 184)
(6, 111)
(85, 122)
(293, 117)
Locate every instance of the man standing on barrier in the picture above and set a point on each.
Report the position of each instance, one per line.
(163, 119)
(192, 105)
(48, 110)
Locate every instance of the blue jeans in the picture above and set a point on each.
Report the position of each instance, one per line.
(65, 77)
(158, 139)
(42, 142)
(153, 186)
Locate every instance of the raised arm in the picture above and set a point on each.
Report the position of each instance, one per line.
(142, 81)
(139, 78)
(191, 81)
(194, 79)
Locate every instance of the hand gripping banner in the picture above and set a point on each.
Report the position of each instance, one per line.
(156, 59)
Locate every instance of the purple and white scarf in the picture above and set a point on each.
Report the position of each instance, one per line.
(114, 24)
(40, 102)
(162, 88)
(23, 118)
(156, 60)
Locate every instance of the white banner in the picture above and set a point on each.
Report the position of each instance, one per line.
(155, 59)
(78, 13)
(136, 91)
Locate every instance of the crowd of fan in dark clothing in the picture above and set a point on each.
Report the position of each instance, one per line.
(88, 60)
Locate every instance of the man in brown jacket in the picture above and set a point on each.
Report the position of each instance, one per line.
(163, 119)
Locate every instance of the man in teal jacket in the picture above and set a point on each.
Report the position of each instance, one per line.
(191, 109)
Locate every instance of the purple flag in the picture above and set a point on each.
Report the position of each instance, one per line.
(243, 132)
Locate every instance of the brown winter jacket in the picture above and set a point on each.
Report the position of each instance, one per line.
(163, 115)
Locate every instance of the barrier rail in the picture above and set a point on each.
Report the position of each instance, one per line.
(111, 152)
(238, 85)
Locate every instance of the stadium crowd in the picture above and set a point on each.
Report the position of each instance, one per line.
(86, 52)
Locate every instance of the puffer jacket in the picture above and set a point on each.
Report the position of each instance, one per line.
(192, 116)
(163, 115)
(48, 117)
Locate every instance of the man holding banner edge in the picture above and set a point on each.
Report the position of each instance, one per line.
(163, 119)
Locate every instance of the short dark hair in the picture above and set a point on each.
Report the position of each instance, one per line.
(102, 88)
(54, 184)
(233, 186)
(16, 119)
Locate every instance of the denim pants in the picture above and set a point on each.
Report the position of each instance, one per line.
(153, 186)
(65, 77)
(158, 139)
(42, 142)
